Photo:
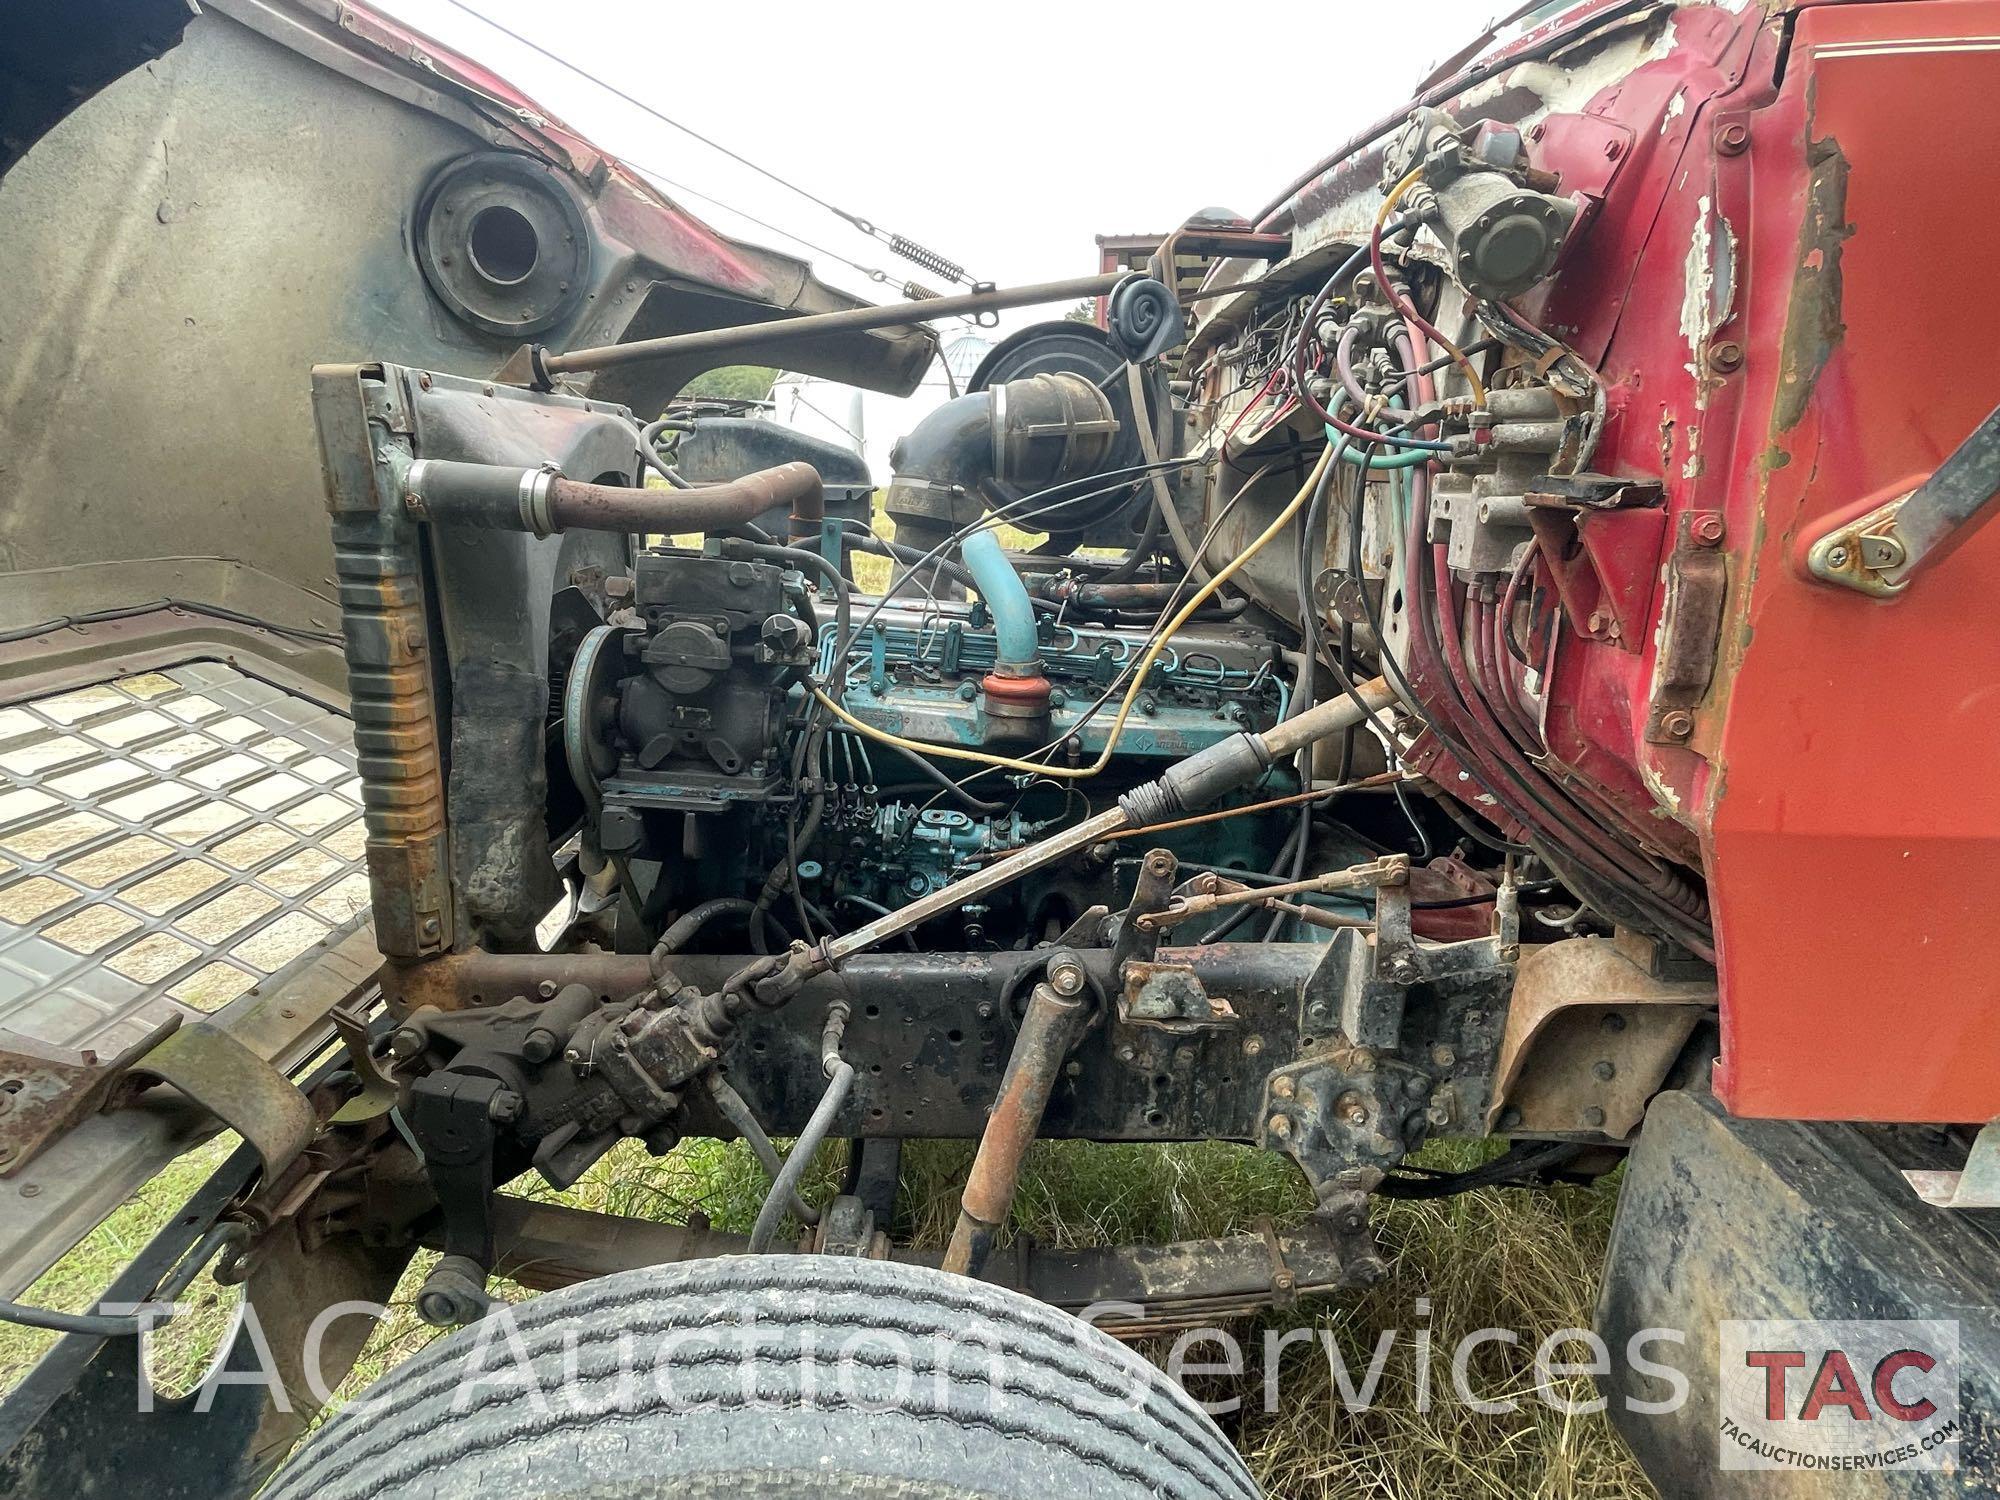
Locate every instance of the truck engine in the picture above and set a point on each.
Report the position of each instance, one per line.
(1263, 688)
(1397, 674)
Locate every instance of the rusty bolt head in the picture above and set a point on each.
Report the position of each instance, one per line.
(1252, 1045)
(1598, 620)
(1679, 724)
(1604, 1070)
(1706, 528)
(1281, 1087)
(1351, 1108)
(1281, 1126)
(1733, 139)
(1726, 356)
(1593, 1117)
(406, 1042)
(1443, 1056)
(1066, 976)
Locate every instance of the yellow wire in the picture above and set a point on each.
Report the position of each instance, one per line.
(1381, 221)
(1076, 773)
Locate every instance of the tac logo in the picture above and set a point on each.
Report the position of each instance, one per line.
(1844, 1395)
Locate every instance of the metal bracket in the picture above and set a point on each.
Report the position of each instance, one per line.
(238, 1087)
(1879, 553)
(1865, 555)
(378, 1091)
(1976, 1185)
(1169, 997)
(44, 1090)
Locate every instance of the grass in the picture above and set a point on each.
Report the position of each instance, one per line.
(1524, 1261)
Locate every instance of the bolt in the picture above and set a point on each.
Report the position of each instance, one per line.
(546, 989)
(1613, 1022)
(1706, 529)
(1597, 621)
(1443, 1056)
(1612, 150)
(1252, 1045)
(984, 1010)
(1726, 356)
(1836, 557)
(539, 1046)
(505, 1107)
(406, 1042)
(1351, 1108)
(1066, 976)
(1605, 1071)
(1594, 1117)
(1679, 724)
(1126, 1053)
(1281, 1087)
(1733, 139)
(1510, 1118)
(1281, 1126)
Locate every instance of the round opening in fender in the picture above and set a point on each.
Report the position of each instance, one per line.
(503, 245)
(503, 240)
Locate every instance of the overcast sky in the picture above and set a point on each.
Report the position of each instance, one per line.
(1004, 136)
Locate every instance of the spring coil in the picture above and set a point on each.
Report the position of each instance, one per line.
(930, 260)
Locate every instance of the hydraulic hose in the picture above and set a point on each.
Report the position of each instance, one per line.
(738, 1114)
(840, 1079)
(690, 922)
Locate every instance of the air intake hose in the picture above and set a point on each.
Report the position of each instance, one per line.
(1031, 433)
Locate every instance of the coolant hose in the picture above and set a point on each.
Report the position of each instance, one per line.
(507, 497)
(1006, 599)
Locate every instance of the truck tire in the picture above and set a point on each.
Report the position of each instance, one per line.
(779, 1377)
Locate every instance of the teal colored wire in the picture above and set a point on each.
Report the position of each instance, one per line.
(1407, 460)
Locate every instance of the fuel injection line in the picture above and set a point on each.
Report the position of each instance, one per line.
(1186, 787)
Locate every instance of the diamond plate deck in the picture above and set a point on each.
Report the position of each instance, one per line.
(167, 842)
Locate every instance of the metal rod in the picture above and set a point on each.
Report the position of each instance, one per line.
(960, 892)
(856, 319)
(1277, 743)
(1392, 869)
